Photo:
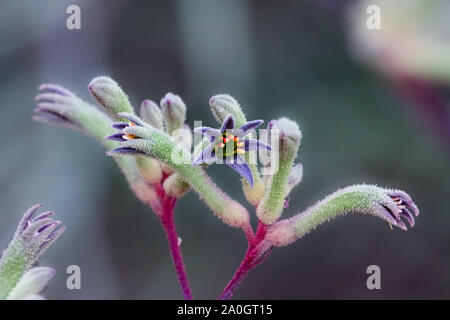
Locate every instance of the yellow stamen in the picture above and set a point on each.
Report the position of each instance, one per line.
(240, 144)
(240, 151)
(128, 136)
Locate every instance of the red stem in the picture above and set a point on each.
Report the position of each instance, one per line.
(251, 259)
(168, 223)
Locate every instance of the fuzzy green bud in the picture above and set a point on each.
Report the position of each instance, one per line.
(222, 105)
(173, 111)
(289, 137)
(110, 95)
(149, 169)
(151, 113)
(176, 187)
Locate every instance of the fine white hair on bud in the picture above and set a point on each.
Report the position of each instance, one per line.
(289, 137)
(110, 95)
(174, 111)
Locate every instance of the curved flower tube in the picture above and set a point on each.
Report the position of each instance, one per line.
(392, 206)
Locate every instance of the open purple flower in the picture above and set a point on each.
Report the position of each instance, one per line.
(228, 146)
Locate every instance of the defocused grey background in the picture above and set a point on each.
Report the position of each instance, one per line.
(285, 58)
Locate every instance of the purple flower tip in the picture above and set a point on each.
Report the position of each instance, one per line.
(116, 137)
(120, 125)
(407, 210)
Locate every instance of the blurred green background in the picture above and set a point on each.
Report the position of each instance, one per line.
(278, 58)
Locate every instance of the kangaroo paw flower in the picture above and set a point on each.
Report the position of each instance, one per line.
(33, 236)
(229, 146)
(390, 205)
(58, 106)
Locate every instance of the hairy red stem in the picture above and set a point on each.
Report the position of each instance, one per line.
(253, 257)
(168, 223)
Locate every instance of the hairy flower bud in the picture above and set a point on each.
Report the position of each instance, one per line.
(175, 187)
(222, 105)
(151, 113)
(289, 137)
(149, 169)
(31, 284)
(174, 112)
(110, 95)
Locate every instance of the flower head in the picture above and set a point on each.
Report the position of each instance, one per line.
(59, 106)
(390, 205)
(36, 234)
(55, 106)
(229, 146)
(33, 236)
